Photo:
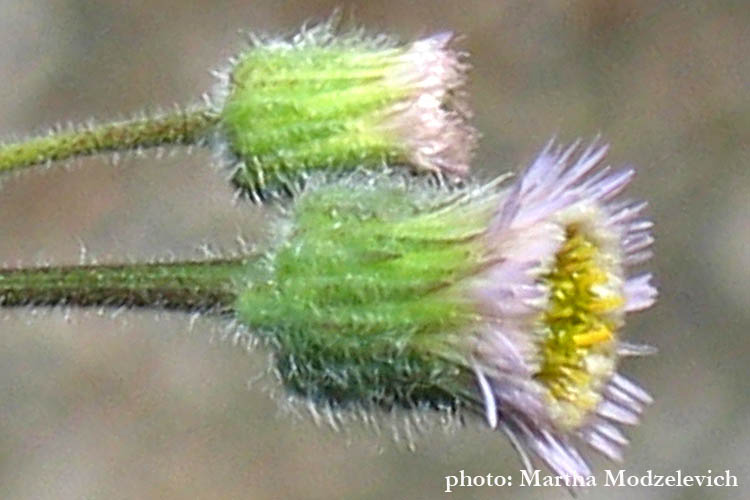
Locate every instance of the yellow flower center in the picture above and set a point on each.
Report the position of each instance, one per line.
(578, 327)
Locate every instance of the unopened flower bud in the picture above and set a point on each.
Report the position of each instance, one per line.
(324, 101)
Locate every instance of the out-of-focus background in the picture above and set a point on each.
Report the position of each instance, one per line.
(140, 405)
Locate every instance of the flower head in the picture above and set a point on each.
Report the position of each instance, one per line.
(335, 102)
(556, 298)
(504, 301)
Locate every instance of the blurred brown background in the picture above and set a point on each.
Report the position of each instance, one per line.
(141, 406)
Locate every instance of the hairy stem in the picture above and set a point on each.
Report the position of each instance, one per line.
(181, 127)
(191, 285)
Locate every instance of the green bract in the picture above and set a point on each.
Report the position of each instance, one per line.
(361, 302)
(333, 103)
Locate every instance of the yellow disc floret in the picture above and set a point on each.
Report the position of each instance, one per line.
(579, 326)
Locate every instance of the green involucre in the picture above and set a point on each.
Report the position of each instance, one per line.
(317, 104)
(363, 302)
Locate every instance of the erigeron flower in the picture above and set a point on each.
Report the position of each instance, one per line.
(555, 300)
(328, 101)
(505, 301)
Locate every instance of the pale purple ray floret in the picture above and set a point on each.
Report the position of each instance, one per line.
(561, 194)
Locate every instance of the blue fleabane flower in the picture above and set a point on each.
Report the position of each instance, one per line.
(555, 300)
(508, 301)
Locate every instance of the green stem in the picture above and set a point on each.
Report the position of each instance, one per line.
(182, 127)
(190, 285)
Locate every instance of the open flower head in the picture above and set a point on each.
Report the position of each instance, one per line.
(329, 101)
(556, 299)
(506, 301)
